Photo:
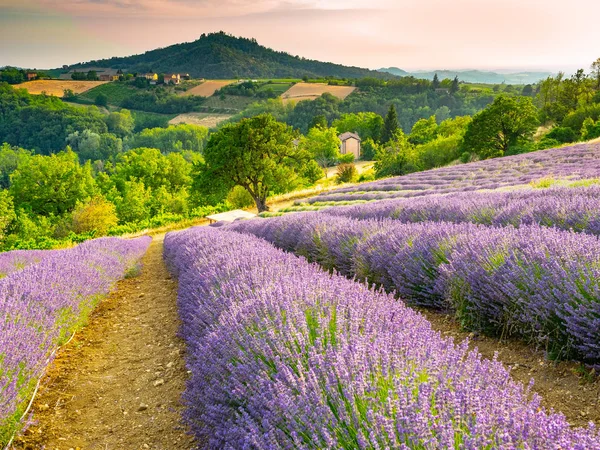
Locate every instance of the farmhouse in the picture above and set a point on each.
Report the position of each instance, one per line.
(31, 76)
(172, 78)
(350, 144)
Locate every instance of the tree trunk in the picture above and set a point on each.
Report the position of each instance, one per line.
(261, 204)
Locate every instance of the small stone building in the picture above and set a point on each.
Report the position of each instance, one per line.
(350, 144)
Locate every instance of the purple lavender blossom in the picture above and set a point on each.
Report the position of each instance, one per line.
(42, 303)
(284, 355)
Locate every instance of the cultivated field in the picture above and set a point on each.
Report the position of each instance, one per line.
(57, 87)
(311, 91)
(203, 119)
(208, 88)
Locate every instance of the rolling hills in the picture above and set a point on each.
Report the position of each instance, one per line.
(222, 56)
(473, 76)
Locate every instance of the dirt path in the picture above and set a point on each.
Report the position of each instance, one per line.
(118, 384)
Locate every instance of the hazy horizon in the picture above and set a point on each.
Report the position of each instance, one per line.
(530, 35)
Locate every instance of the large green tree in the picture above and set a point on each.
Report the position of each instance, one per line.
(51, 185)
(507, 122)
(258, 154)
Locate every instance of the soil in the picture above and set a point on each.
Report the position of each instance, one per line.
(118, 383)
(565, 387)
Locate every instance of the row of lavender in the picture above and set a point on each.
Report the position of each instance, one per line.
(285, 355)
(16, 260)
(540, 284)
(565, 208)
(576, 162)
(43, 303)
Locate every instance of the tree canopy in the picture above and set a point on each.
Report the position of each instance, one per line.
(507, 122)
(257, 154)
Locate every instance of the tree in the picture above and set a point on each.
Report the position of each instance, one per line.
(366, 124)
(596, 72)
(435, 84)
(7, 213)
(423, 131)
(120, 123)
(10, 160)
(257, 154)
(454, 86)
(323, 145)
(97, 215)
(396, 157)
(507, 122)
(319, 121)
(390, 125)
(174, 138)
(527, 90)
(101, 100)
(51, 185)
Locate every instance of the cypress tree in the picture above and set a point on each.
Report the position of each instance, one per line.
(390, 125)
(436, 82)
(454, 86)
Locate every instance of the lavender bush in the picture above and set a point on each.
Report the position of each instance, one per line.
(284, 355)
(576, 162)
(565, 208)
(537, 283)
(43, 303)
(16, 260)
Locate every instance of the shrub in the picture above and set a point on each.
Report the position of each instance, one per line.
(590, 129)
(97, 215)
(346, 159)
(239, 197)
(367, 175)
(101, 100)
(562, 134)
(313, 172)
(346, 173)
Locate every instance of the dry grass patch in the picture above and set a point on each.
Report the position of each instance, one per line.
(202, 119)
(311, 91)
(208, 88)
(57, 87)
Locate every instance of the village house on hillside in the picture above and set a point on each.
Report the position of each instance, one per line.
(172, 78)
(103, 74)
(350, 144)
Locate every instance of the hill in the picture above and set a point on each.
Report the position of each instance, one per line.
(222, 56)
(473, 76)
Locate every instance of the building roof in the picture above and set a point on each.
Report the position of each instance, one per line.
(231, 216)
(347, 135)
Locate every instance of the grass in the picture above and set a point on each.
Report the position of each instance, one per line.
(115, 92)
(277, 87)
(229, 104)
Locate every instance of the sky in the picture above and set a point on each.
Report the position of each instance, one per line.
(410, 34)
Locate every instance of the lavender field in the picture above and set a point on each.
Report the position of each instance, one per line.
(284, 355)
(579, 162)
(44, 297)
(567, 208)
(532, 282)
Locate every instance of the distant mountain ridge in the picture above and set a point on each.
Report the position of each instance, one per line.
(222, 56)
(473, 76)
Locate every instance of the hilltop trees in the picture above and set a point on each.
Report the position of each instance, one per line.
(507, 122)
(257, 154)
